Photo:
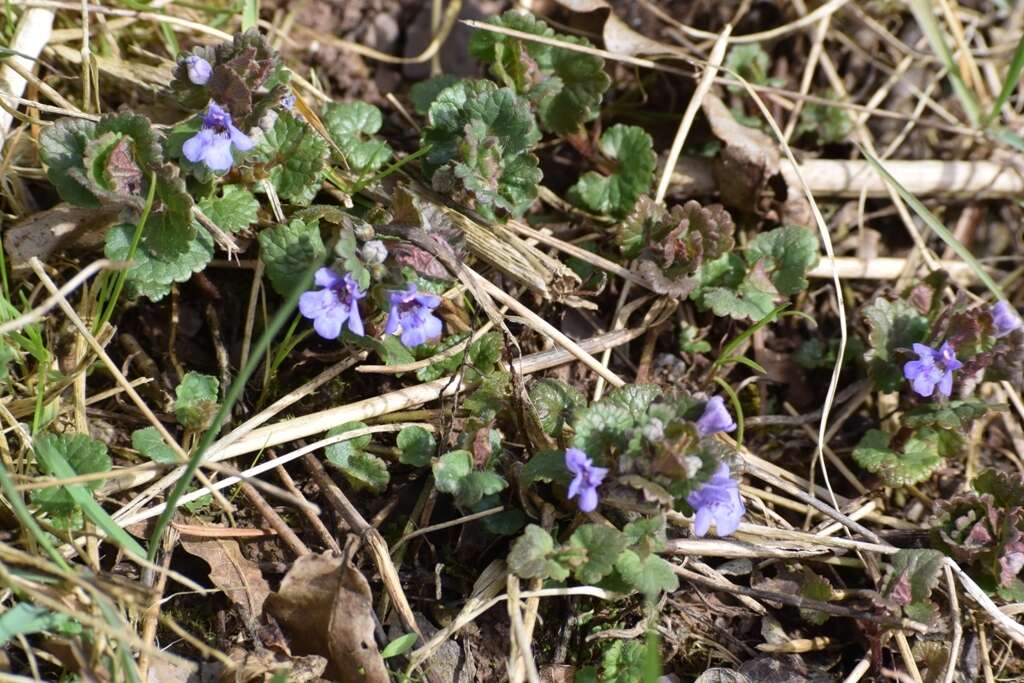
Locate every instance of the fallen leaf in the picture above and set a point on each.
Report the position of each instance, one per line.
(325, 606)
(747, 160)
(58, 228)
(259, 666)
(239, 578)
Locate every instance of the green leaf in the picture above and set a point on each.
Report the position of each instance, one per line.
(602, 545)
(955, 415)
(547, 466)
(789, 252)
(830, 125)
(399, 646)
(632, 150)
(454, 474)
(531, 556)
(915, 463)
(417, 446)
(62, 148)
(816, 588)
(602, 427)
(154, 271)
(423, 93)
(66, 456)
(623, 661)
(750, 61)
(913, 574)
(636, 399)
(647, 531)
(650, 575)
(295, 158)
(352, 126)
(556, 404)
(483, 356)
(363, 470)
(235, 210)
(151, 445)
(196, 400)
(893, 325)
(480, 138)
(25, 619)
(566, 85)
(289, 251)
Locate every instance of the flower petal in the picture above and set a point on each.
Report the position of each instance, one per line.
(241, 141)
(195, 146)
(317, 302)
(946, 384)
(702, 522)
(355, 321)
(329, 324)
(218, 153)
(325, 277)
(588, 500)
(574, 485)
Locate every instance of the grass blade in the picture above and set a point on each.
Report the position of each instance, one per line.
(57, 464)
(937, 227)
(1010, 83)
(922, 10)
(232, 396)
(250, 14)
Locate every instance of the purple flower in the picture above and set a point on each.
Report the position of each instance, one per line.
(587, 478)
(717, 501)
(716, 418)
(1005, 319)
(288, 101)
(212, 144)
(198, 69)
(933, 368)
(412, 315)
(331, 306)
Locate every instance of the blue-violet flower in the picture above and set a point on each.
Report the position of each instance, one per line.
(199, 70)
(412, 316)
(334, 305)
(933, 368)
(716, 418)
(1005, 319)
(212, 144)
(587, 478)
(288, 101)
(717, 501)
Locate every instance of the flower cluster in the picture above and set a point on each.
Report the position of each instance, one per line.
(213, 144)
(717, 501)
(934, 368)
(411, 314)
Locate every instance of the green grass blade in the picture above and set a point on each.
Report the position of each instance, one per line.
(233, 394)
(250, 14)
(57, 464)
(1010, 83)
(937, 227)
(727, 351)
(922, 10)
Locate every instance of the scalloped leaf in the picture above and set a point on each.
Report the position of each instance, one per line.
(417, 446)
(295, 158)
(566, 86)
(454, 473)
(234, 210)
(920, 456)
(289, 251)
(155, 270)
(480, 138)
(632, 151)
(352, 126)
(195, 401)
(363, 470)
(603, 545)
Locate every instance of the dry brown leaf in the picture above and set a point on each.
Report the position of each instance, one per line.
(58, 228)
(239, 578)
(260, 666)
(747, 160)
(326, 608)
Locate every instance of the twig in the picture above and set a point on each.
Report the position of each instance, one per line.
(276, 522)
(52, 301)
(313, 518)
